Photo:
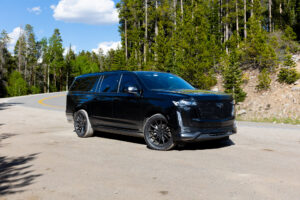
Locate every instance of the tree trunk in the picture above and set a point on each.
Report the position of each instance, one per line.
(226, 25)
(237, 20)
(67, 81)
(237, 16)
(221, 22)
(245, 19)
(1, 60)
(251, 8)
(19, 56)
(280, 12)
(34, 77)
(193, 9)
(270, 15)
(156, 29)
(146, 31)
(60, 80)
(48, 79)
(30, 75)
(126, 44)
(175, 16)
(54, 80)
(280, 7)
(25, 71)
(181, 6)
(45, 78)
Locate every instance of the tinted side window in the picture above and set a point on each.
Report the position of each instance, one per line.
(110, 83)
(84, 84)
(128, 80)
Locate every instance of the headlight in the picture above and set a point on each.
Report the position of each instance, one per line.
(185, 102)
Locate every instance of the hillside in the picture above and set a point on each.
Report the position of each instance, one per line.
(281, 103)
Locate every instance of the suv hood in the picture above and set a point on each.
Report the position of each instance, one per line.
(199, 94)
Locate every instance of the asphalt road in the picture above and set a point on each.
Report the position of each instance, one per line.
(51, 101)
(42, 158)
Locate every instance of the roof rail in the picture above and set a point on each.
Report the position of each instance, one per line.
(95, 73)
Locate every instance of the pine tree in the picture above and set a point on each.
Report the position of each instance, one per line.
(69, 60)
(56, 60)
(233, 78)
(4, 58)
(4, 39)
(31, 55)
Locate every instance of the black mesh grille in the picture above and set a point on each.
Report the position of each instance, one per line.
(214, 110)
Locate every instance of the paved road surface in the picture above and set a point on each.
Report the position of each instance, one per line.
(42, 158)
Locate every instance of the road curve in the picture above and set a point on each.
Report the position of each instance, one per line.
(42, 158)
(50, 101)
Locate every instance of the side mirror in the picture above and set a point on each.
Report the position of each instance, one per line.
(132, 90)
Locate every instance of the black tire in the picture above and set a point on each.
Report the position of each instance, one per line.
(157, 133)
(82, 124)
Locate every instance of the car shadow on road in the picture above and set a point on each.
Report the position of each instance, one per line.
(4, 106)
(119, 137)
(181, 147)
(217, 144)
(15, 172)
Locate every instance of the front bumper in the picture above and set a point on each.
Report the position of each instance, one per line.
(205, 134)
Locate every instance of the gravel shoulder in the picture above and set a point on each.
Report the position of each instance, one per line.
(42, 158)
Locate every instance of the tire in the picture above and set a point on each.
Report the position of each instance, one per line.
(82, 124)
(157, 133)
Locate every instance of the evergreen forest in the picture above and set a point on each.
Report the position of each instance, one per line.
(195, 39)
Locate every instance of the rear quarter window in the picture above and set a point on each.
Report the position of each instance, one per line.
(84, 83)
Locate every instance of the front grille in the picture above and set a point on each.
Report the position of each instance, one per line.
(214, 110)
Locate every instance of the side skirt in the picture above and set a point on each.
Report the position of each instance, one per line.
(129, 132)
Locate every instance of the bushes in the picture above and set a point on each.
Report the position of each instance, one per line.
(34, 90)
(289, 74)
(17, 86)
(264, 80)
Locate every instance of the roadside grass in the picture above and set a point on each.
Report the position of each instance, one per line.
(272, 120)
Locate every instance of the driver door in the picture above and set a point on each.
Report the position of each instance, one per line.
(127, 106)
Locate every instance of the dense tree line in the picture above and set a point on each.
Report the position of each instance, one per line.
(41, 66)
(195, 39)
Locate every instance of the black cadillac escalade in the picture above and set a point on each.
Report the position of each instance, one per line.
(161, 107)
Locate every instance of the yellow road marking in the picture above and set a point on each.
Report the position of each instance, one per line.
(41, 101)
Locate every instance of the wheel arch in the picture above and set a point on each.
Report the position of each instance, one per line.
(167, 114)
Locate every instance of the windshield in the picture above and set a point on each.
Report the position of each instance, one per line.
(163, 81)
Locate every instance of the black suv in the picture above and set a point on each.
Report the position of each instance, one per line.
(161, 107)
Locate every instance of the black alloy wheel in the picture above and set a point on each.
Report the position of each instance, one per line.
(158, 134)
(82, 124)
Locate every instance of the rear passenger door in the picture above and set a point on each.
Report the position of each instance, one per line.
(81, 93)
(127, 106)
(103, 102)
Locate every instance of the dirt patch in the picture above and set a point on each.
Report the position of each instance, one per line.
(164, 192)
(268, 150)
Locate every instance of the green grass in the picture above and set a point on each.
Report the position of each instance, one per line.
(272, 120)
